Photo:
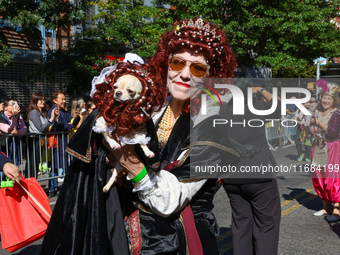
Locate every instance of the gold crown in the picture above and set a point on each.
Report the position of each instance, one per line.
(199, 23)
(333, 89)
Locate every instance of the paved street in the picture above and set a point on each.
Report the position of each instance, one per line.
(301, 233)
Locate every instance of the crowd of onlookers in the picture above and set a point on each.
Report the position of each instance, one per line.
(303, 138)
(42, 117)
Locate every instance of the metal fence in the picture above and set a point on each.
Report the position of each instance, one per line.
(280, 133)
(38, 155)
(43, 155)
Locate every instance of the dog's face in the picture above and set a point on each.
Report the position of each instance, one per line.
(127, 89)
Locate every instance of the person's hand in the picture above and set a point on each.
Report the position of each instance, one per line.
(128, 159)
(52, 115)
(12, 171)
(16, 110)
(256, 90)
(57, 114)
(15, 132)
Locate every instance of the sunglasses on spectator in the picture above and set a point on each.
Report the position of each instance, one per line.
(197, 69)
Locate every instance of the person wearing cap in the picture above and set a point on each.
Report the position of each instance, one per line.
(325, 127)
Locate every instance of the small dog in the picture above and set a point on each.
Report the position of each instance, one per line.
(126, 90)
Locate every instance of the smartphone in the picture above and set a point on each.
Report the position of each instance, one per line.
(14, 103)
(57, 107)
(77, 106)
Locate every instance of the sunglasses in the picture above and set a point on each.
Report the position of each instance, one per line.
(197, 69)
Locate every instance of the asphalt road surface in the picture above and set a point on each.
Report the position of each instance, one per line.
(301, 233)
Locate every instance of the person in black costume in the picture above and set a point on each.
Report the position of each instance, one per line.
(254, 197)
(165, 211)
(9, 169)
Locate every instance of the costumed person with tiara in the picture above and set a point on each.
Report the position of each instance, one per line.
(325, 127)
(165, 210)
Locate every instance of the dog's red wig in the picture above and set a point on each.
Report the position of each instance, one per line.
(127, 117)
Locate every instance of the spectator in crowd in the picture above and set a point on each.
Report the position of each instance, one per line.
(12, 123)
(305, 136)
(77, 110)
(64, 124)
(312, 105)
(89, 107)
(77, 107)
(325, 126)
(9, 169)
(23, 114)
(48, 105)
(298, 117)
(38, 123)
(290, 111)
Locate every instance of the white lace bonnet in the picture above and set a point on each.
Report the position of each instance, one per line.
(129, 57)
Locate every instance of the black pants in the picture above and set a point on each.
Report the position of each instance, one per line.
(256, 216)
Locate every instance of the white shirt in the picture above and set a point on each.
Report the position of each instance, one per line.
(162, 191)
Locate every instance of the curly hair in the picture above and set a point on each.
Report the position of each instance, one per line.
(335, 101)
(200, 38)
(127, 117)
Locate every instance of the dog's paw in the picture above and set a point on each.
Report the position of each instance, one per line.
(115, 146)
(106, 188)
(150, 154)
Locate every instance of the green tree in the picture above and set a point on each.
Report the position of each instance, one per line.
(121, 26)
(285, 35)
(29, 15)
(130, 24)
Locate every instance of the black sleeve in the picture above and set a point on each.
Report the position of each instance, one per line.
(3, 160)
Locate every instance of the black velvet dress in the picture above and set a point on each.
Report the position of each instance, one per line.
(87, 221)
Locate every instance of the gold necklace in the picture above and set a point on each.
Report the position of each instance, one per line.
(165, 128)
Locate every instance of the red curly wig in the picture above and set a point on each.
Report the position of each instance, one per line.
(127, 117)
(200, 38)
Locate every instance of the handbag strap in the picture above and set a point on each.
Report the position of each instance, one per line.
(33, 198)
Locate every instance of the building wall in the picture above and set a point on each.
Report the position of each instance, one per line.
(15, 83)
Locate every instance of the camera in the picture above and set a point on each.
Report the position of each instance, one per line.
(14, 103)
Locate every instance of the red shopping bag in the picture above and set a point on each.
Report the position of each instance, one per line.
(24, 214)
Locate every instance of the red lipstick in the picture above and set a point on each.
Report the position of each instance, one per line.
(183, 84)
